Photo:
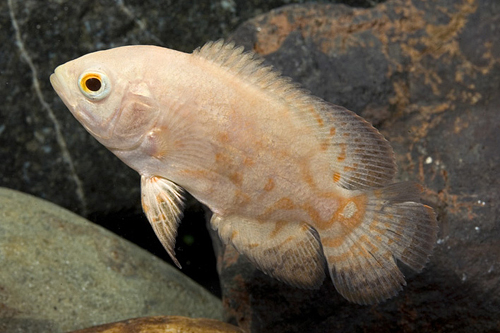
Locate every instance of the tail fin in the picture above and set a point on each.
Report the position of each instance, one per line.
(394, 226)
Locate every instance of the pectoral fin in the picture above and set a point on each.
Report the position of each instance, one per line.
(289, 252)
(162, 204)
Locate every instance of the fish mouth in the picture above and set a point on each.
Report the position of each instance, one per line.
(58, 83)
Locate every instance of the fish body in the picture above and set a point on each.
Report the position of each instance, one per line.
(298, 185)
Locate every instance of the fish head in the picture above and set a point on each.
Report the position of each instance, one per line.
(106, 92)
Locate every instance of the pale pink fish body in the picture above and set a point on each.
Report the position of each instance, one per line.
(296, 184)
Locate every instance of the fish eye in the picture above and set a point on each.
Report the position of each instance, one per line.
(94, 85)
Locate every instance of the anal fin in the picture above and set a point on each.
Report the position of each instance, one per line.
(162, 204)
(289, 252)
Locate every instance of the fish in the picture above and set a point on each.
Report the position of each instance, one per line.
(299, 186)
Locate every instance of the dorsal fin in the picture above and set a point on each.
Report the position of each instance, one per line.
(248, 65)
(361, 157)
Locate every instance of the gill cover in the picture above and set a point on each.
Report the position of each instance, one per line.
(117, 112)
(138, 114)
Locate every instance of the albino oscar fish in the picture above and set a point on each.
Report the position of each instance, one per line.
(299, 186)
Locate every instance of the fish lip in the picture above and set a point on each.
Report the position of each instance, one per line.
(60, 88)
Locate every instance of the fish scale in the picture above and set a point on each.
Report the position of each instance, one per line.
(299, 186)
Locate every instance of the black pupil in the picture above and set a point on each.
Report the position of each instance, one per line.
(93, 84)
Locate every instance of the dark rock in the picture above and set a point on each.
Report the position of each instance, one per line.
(61, 272)
(427, 73)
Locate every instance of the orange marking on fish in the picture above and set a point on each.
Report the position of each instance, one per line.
(349, 215)
(278, 226)
(363, 253)
(312, 212)
(159, 198)
(253, 245)
(317, 116)
(333, 130)
(333, 241)
(248, 161)
(320, 121)
(342, 154)
(324, 145)
(375, 228)
(351, 219)
(219, 157)
(364, 239)
(306, 175)
(195, 173)
(269, 185)
(347, 255)
(242, 198)
(349, 169)
(282, 204)
(236, 178)
(223, 137)
(287, 240)
(336, 177)
(234, 234)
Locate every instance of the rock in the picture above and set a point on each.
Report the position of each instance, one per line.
(427, 74)
(60, 272)
(165, 324)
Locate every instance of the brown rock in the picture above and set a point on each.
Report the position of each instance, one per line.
(164, 324)
(427, 73)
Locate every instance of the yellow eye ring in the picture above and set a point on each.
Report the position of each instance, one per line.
(91, 83)
(94, 85)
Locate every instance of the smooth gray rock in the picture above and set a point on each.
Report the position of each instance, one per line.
(60, 272)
